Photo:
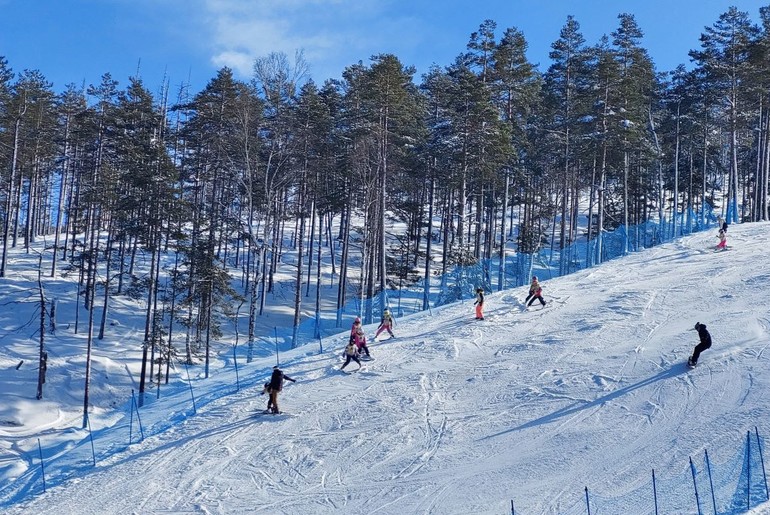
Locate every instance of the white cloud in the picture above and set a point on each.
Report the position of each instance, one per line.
(332, 34)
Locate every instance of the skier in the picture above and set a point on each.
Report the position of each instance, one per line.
(535, 292)
(356, 325)
(705, 343)
(266, 390)
(359, 339)
(351, 353)
(722, 223)
(479, 303)
(276, 385)
(722, 245)
(386, 324)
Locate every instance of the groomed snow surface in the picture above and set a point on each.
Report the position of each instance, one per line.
(454, 416)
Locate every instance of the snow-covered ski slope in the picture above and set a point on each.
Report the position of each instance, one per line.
(460, 416)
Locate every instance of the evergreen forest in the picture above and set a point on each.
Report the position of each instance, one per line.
(488, 155)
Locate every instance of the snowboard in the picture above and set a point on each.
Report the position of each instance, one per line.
(265, 413)
(691, 365)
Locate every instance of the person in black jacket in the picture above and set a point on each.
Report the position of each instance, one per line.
(479, 303)
(276, 385)
(722, 223)
(705, 343)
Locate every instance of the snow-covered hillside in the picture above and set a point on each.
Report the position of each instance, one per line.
(454, 416)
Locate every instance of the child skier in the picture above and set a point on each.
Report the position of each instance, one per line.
(705, 343)
(535, 292)
(351, 353)
(359, 339)
(386, 324)
(276, 385)
(722, 240)
(479, 303)
(722, 223)
(266, 390)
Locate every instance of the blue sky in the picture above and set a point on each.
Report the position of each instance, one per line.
(76, 41)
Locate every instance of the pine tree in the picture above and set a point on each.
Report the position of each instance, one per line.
(516, 84)
(725, 59)
(636, 83)
(564, 85)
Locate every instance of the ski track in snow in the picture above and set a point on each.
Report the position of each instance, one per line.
(459, 416)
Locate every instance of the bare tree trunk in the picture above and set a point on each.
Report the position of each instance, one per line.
(108, 277)
(317, 333)
(62, 195)
(310, 242)
(43, 357)
(9, 203)
(300, 252)
(93, 250)
(429, 242)
(345, 237)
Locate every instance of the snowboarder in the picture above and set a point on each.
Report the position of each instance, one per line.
(722, 240)
(276, 385)
(386, 324)
(359, 339)
(705, 343)
(479, 303)
(351, 353)
(535, 292)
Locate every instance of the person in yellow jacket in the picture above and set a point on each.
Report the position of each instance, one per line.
(386, 324)
(535, 293)
(351, 353)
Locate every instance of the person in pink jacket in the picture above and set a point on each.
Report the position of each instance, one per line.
(356, 325)
(359, 339)
(386, 325)
(722, 245)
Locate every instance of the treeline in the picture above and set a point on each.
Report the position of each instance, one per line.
(225, 178)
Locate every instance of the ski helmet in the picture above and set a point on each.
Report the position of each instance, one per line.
(534, 278)
(357, 320)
